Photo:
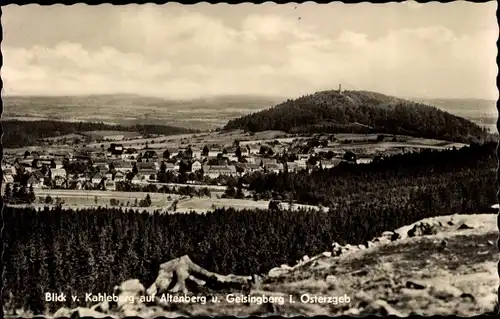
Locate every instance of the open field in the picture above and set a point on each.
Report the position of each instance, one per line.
(85, 197)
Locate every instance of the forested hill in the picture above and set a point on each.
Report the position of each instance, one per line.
(360, 112)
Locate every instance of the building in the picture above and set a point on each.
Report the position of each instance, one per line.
(97, 179)
(364, 160)
(60, 181)
(274, 168)
(58, 172)
(196, 152)
(150, 155)
(326, 164)
(8, 178)
(122, 166)
(110, 185)
(292, 166)
(116, 149)
(35, 182)
(147, 169)
(170, 166)
(120, 176)
(249, 168)
(196, 166)
(216, 171)
(301, 164)
(268, 161)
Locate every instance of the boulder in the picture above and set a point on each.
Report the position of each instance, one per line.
(63, 312)
(424, 229)
(413, 284)
(445, 291)
(464, 226)
(101, 307)
(327, 254)
(305, 258)
(361, 247)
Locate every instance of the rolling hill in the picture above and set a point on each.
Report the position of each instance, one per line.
(360, 112)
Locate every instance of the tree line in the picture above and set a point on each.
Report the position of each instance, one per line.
(17, 133)
(360, 112)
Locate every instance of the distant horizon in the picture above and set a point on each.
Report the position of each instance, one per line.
(274, 97)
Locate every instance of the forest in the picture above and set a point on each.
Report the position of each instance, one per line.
(45, 249)
(360, 112)
(18, 133)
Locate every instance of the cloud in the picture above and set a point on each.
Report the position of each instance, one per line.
(190, 54)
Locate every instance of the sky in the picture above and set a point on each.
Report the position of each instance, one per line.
(431, 50)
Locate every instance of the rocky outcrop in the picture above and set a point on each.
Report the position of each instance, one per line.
(180, 275)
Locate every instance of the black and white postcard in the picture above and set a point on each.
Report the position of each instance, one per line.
(249, 160)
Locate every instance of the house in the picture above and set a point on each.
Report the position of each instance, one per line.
(59, 164)
(60, 181)
(150, 155)
(170, 167)
(326, 164)
(110, 185)
(250, 167)
(364, 161)
(122, 166)
(214, 152)
(274, 168)
(103, 168)
(196, 152)
(137, 179)
(8, 178)
(245, 150)
(177, 166)
(196, 166)
(292, 166)
(58, 172)
(120, 176)
(116, 149)
(232, 158)
(147, 169)
(253, 149)
(34, 182)
(97, 178)
(301, 164)
(216, 171)
(268, 161)
(249, 159)
(108, 176)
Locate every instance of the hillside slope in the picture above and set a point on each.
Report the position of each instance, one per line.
(438, 266)
(360, 112)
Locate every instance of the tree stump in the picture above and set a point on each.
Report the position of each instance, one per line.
(180, 274)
